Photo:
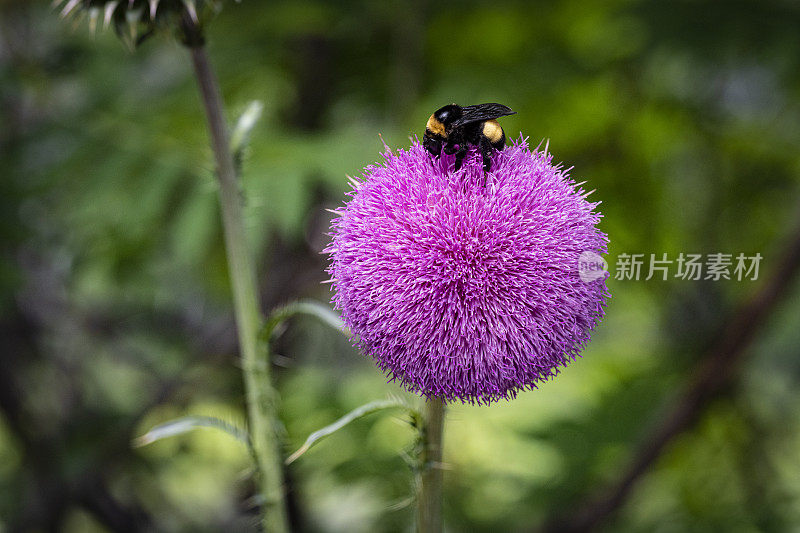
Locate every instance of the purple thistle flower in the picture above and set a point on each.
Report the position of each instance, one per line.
(465, 291)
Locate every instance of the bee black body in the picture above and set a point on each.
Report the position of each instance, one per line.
(454, 129)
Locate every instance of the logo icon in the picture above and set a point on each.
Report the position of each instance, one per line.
(592, 266)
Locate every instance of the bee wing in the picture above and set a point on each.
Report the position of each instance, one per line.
(476, 113)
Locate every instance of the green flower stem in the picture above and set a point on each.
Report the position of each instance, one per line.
(258, 384)
(429, 499)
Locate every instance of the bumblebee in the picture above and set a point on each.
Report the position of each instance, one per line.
(454, 129)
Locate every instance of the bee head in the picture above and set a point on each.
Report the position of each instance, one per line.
(440, 121)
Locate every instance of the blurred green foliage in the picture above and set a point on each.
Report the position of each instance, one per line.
(114, 299)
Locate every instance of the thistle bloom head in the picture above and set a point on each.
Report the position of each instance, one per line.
(135, 20)
(461, 289)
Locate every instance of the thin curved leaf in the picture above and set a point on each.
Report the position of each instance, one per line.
(355, 414)
(302, 307)
(186, 424)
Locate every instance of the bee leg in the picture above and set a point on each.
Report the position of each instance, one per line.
(486, 153)
(462, 151)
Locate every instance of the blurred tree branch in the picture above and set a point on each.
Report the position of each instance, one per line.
(713, 373)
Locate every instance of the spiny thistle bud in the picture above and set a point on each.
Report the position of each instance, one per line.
(136, 20)
(463, 290)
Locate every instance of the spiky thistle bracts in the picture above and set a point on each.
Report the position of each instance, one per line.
(461, 290)
(135, 20)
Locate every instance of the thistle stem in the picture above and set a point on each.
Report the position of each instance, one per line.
(429, 498)
(260, 394)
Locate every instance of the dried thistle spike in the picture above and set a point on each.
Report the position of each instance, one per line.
(94, 16)
(109, 12)
(69, 8)
(190, 8)
(132, 17)
(153, 8)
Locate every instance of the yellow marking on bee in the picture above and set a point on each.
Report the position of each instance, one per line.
(434, 126)
(492, 130)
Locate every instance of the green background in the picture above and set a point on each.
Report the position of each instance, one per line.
(114, 300)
